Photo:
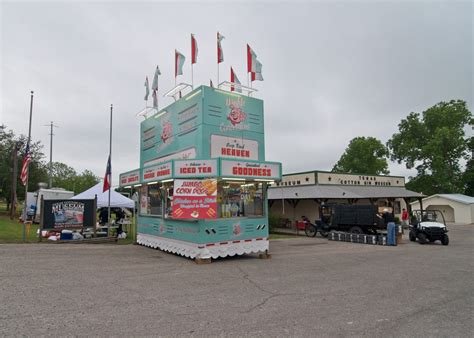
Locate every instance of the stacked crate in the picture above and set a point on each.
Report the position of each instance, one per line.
(358, 238)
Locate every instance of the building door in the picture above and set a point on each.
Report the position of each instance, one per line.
(448, 211)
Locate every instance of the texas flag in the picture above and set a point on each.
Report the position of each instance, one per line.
(108, 173)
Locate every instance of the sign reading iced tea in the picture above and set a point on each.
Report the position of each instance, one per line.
(195, 199)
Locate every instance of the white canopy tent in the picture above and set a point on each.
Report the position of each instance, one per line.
(116, 200)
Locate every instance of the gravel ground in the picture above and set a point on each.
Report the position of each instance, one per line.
(310, 287)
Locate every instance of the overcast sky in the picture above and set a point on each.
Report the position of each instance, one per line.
(333, 70)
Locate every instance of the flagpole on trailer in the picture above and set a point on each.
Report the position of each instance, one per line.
(110, 159)
(217, 73)
(25, 210)
(192, 74)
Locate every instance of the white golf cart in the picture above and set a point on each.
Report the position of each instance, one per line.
(428, 226)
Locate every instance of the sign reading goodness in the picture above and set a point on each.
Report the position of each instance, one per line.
(68, 214)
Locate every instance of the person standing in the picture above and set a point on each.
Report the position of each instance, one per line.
(391, 227)
(405, 218)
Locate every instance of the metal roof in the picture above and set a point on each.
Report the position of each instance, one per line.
(455, 197)
(333, 191)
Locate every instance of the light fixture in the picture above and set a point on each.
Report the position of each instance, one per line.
(137, 185)
(192, 95)
(262, 180)
(168, 180)
(154, 182)
(232, 179)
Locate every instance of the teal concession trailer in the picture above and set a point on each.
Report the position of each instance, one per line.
(203, 176)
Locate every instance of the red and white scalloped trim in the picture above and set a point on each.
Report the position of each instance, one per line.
(204, 251)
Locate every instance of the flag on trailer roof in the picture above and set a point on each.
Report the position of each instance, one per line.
(24, 166)
(155, 99)
(147, 89)
(251, 60)
(220, 52)
(108, 172)
(234, 79)
(178, 63)
(154, 84)
(194, 49)
(257, 74)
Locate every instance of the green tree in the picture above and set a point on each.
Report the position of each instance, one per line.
(363, 155)
(37, 172)
(63, 176)
(85, 181)
(434, 143)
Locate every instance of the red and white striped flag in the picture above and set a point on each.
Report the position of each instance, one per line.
(220, 52)
(24, 166)
(194, 49)
(234, 79)
(178, 63)
(254, 67)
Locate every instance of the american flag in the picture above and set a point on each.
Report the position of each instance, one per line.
(24, 166)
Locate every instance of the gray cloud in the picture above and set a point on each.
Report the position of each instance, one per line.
(333, 71)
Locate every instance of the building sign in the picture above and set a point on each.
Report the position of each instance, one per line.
(308, 178)
(361, 180)
(231, 147)
(195, 168)
(195, 199)
(157, 172)
(132, 177)
(68, 214)
(261, 170)
(180, 155)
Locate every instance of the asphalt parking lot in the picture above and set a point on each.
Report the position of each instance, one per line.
(310, 287)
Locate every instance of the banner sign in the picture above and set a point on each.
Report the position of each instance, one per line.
(195, 168)
(157, 172)
(261, 170)
(223, 146)
(68, 214)
(132, 177)
(195, 199)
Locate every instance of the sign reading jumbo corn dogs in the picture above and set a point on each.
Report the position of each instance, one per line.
(195, 199)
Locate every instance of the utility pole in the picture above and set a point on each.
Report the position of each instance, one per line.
(51, 153)
(14, 179)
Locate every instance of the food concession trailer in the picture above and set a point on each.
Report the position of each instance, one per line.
(203, 177)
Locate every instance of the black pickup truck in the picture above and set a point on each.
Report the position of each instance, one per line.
(357, 219)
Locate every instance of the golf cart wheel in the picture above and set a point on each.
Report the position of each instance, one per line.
(412, 236)
(310, 230)
(356, 230)
(422, 238)
(445, 240)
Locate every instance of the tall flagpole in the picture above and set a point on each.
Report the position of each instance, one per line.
(25, 210)
(192, 75)
(110, 158)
